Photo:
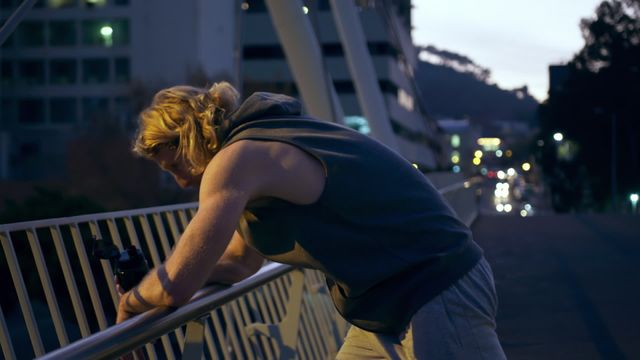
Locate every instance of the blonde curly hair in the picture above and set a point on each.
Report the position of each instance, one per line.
(185, 118)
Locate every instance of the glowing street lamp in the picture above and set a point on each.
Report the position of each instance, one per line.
(634, 202)
(558, 136)
(526, 166)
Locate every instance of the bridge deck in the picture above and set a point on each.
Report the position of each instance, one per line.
(568, 284)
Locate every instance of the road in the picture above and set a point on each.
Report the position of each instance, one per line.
(568, 284)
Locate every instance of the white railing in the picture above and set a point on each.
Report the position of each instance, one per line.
(232, 322)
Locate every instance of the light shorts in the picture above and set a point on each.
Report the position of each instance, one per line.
(457, 324)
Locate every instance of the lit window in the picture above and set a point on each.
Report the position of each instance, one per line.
(105, 33)
(405, 100)
(61, 3)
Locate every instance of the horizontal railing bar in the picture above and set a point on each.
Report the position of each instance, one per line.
(93, 217)
(462, 184)
(122, 338)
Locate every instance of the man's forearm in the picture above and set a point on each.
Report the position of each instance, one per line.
(229, 272)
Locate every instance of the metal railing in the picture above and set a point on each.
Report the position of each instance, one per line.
(232, 322)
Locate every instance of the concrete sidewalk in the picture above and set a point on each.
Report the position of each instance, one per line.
(569, 285)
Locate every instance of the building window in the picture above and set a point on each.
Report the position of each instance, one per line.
(121, 2)
(105, 32)
(30, 33)
(94, 108)
(405, 100)
(59, 4)
(122, 111)
(6, 4)
(122, 72)
(94, 3)
(62, 71)
(95, 71)
(62, 33)
(31, 111)
(6, 110)
(63, 110)
(31, 72)
(6, 73)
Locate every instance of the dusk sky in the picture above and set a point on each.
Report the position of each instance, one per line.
(516, 40)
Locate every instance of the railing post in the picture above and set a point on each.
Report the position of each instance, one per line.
(285, 333)
(194, 340)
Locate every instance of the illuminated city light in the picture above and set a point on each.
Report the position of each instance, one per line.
(511, 172)
(456, 169)
(526, 166)
(484, 171)
(540, 143)
(558, 136)
(415, 165)
(501, 175)
(508, 153)
(478, 153)
(507, 207)
(488, 141)
(455, 140)
(498, 153)
(524, 213)
(106, 31)
(500, 208)
(305, 10)
(476, 161)
(455, 159)
(527, 207)
(244, 6)
(633, 197)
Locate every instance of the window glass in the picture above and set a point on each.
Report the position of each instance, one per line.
(6, 4)
(120, 32)
(63, 110)
(121, 2)
(31, 111)
(62, 71)
(31, 72)
(62, 33)
(94, 3)
(30, 33)
(6, 111)
(105, 32)
(56, 4)
(95, 71)
(122, 73)
(94, 108)
(6, 73)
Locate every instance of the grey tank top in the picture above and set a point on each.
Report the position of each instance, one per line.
(381, 233)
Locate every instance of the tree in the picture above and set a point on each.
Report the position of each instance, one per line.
(598, 109)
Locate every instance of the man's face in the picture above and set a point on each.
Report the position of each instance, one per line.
(166, 159)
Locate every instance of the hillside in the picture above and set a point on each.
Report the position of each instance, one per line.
(453, 86)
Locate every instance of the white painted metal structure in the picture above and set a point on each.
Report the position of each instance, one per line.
(278, 312)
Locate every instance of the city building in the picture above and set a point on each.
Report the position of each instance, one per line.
(387, 26)
(70, 63)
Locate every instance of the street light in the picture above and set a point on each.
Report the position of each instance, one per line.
(558, 136)
(634, 202)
